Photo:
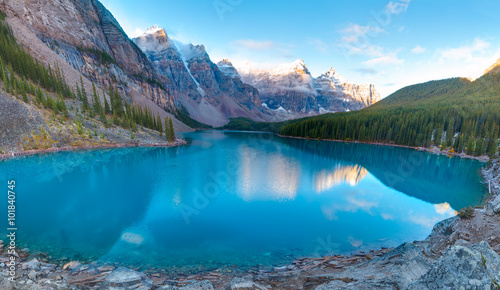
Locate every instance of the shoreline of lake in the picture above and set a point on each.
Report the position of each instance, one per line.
(6, 156)
(308, 271)
(433, 150)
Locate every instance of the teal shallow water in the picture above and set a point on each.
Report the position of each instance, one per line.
(234, 198)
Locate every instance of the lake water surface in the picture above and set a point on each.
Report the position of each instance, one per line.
(234, 198)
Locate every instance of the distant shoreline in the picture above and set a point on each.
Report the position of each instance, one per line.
(434, 150)
(5, 156)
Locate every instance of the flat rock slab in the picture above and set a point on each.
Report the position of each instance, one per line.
(245, 284)
(394, 270)
(202, 285)
(462, 268)
(123, 278)
(464, 232)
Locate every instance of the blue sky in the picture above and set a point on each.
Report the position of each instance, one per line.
(391, 44)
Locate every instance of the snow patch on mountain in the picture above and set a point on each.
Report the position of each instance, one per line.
(228, 69)
(293, 87)
(152, 30)
(187, 49)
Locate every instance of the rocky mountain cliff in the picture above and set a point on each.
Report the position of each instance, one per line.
(292, 88)
(494, 68)
(210, 96)
(84, 39)
(85, 35)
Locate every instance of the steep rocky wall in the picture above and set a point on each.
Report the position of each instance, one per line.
(80, 32)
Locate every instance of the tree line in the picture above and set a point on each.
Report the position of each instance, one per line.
(23, 75)
(454, 114)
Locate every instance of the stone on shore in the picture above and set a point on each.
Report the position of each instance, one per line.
(495, 204)
(462, 268)
(394, 270)
(36, 265)
(245, 284)
(123, 278)
(72, 266)
(202, 285)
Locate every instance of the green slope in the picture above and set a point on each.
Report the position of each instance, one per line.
(420, 115)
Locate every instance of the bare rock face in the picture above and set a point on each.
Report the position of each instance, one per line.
(209, 94)
(494, 68)
(395, 270)
(292, 88)
(161, 51)
(464, 232)
(228, 69)
(87, 36)
(460, 267)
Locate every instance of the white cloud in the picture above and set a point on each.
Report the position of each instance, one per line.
(466, 53)
(355, 33)
(254, 44)
(366, 49)
(397, 7)
(419, 50)
(137, 32)
(384, 60)
(469, 59)
(249, 54)
(319, 44)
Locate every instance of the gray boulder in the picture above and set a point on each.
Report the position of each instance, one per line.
(394, 270)
(123, 278)
(462, 268)
(494, 204)
(34, 264)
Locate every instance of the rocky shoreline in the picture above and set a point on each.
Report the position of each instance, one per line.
(178, 142)
(460, 252)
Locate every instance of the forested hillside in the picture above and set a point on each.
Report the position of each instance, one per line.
(47, 89)
(456, 114)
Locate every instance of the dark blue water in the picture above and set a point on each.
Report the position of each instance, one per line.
(234, 198)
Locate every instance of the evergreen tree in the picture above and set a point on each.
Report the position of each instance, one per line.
(480, 147)
(23, 94)
(160, 126)
(85, 100)
(167, 129)
(171, 132)
(107, 109)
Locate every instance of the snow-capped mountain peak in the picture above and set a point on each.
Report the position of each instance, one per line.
(333, 76)
(190, 51)
(153, 39)
(228, 69)
(292, 87)
(153, 30)
(297, 66)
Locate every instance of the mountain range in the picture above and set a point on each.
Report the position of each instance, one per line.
(292, 88)
(168, 77)
(214, 93)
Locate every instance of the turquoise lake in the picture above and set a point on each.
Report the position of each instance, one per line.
(233, 198)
